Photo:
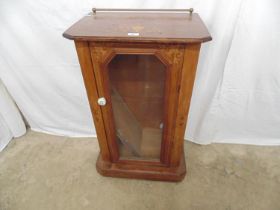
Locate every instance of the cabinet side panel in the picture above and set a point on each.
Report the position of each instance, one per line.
(84, 56)
(186, 85)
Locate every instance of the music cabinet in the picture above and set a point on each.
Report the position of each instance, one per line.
(139, 69)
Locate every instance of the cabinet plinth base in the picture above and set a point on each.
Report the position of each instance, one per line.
(149, 172)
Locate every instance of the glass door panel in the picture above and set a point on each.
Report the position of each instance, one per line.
(137, 93)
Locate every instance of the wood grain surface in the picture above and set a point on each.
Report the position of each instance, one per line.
(152, 27)
(173, 40)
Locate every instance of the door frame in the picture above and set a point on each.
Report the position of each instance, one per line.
(172, 57)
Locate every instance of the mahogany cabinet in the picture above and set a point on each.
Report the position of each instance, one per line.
(139, 69)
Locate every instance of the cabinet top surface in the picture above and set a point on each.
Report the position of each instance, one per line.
(140, 27)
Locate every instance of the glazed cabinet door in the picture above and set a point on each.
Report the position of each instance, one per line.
(138, 94)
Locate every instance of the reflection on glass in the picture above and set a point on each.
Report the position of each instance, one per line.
(137, 93)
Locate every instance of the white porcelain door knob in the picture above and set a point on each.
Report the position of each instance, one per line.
(101, 101)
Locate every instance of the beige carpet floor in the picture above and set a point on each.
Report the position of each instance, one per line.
(40, 171)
